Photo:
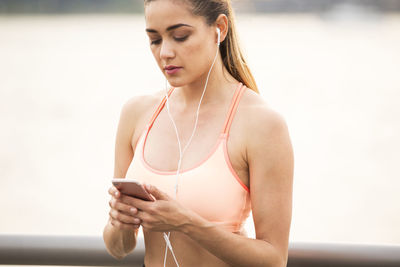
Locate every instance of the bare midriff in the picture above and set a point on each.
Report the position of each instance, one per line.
(187, 251)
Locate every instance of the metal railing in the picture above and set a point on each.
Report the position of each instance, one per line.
(90, 251)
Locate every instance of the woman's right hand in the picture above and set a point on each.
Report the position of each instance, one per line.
(122, 215)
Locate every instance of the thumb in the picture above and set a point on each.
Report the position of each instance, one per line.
(157, 194)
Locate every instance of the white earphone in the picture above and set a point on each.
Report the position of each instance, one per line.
(182, 151)
(219, 35)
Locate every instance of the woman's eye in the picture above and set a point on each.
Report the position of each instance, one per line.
(181, 39)
(155, 42)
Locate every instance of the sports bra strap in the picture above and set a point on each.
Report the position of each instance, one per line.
(159, 108)
(232, 110)
(231, 113)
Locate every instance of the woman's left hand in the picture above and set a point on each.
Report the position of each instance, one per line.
(164, 214)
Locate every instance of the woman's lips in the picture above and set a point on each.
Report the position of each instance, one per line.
(171, 69)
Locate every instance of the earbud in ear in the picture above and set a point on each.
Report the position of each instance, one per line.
(219, 35)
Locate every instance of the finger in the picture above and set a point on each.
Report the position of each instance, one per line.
(145, 218)
(136, 202)
(115, 215)
(113, 191)
(122, 207)
(124, 226)
(157, 193)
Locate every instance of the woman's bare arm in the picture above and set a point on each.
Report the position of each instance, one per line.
(270, 159)
(120, 238)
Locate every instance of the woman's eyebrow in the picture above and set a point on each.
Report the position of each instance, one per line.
(170, 28)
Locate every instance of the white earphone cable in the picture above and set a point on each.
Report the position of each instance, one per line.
(181, 153)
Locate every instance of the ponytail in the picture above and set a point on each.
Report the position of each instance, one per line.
(232, 55)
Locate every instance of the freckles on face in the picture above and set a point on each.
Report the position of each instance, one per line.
(162, 18)
(179, 38)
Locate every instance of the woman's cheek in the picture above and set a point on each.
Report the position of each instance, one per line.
(196, 54)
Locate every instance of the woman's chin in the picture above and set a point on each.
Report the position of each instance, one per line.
(176, 82)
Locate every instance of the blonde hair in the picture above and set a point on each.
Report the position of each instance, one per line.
(231, 53)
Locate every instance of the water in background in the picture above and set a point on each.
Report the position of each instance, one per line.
(64, 79)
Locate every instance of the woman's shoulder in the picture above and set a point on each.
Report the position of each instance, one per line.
(139, 104)
(260, 118)
(140, 107)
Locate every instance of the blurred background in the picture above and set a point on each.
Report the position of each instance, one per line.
(330, 67)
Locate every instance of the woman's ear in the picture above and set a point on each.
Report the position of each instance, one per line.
(222, 24)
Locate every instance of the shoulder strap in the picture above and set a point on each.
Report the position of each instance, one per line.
(159, 108)
(232, 110)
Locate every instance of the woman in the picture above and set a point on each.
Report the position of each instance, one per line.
(239, 159)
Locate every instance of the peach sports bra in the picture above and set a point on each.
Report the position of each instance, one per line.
(211, 188)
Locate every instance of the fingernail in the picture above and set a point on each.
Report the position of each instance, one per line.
(116, 194)
(133, 210)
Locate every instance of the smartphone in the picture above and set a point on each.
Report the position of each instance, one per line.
(132, 188)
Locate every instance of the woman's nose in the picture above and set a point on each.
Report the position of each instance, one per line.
(166, 51)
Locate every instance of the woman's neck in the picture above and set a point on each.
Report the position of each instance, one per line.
(219, 86)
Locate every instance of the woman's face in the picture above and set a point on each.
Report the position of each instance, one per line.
(183, 45)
